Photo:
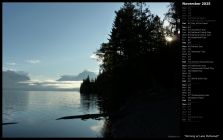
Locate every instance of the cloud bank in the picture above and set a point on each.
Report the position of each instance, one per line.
(14, 80)
(79, 77)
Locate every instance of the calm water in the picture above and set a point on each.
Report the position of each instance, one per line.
(36, 112)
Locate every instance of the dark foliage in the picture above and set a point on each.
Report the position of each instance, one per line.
(87, 86)
(137, 57)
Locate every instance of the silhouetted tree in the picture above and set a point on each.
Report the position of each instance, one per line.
(86, 86)
(173, 17)
(135, 58)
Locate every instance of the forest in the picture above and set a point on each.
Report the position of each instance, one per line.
(137, 58)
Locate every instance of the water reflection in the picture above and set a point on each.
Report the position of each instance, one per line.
(91, 101)
(106, 129)
(36, 113)
(97, 127)
(11, 98)
(14, 102)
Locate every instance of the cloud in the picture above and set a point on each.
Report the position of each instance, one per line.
(11, 79)
(19, 80)
(11, 64)
(53, 84)
(33, 61)
(79, 77)
(7, 68)
(4, 68)
(93, 56)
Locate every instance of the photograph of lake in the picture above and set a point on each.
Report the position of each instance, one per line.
(90, 70)
(35, 112)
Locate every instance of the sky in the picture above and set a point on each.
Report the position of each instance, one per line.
(48, 40)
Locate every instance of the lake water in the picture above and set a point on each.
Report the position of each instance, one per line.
(36, 112)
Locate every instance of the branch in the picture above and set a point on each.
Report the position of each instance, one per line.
(83, 117)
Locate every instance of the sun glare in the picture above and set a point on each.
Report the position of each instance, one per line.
(169, 39)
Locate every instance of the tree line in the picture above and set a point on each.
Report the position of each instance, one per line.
(137, 56)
